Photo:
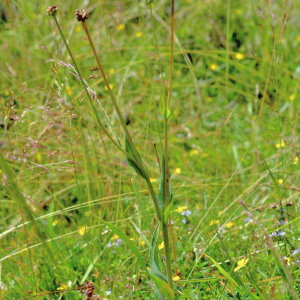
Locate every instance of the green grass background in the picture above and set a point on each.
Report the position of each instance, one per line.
(234, 114)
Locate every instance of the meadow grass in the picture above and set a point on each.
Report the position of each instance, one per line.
(77, 220)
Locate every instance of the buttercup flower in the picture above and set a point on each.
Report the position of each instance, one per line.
(161, 246)
(175, 278)
(213, 67)
(62, 287)
(180, 209)
(239, 56)
(241, 264)
(229, 224)
(177, 171)
(120, 27)
(212, 222)
(82, 230)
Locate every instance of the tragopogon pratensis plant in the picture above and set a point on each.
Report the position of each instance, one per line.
(162, 286)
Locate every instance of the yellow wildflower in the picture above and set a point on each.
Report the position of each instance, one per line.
(152, 179)
(142, 243)
(213, 67)
(6, 93)
(280, 145)
(120, 27)
(177, 171)
(219, 213)
(194, 152)
(239, 11)
(69, 90)
(229, 224)
(292, 97)
(175, 278)
(241, 264)
(287, 259)
(63, 286)
(161, 246)
(296, 159)
(111, 71)
(54, 223)
(82, 230)
(280, 181)
(114, 237)
(212, 222)
(239, 56)
(132, 239)
(138, 34)
(110, 86)
(180, 209)
(78, 28)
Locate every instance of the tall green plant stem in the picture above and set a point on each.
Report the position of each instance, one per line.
(113, 99)
(87, 93)
(137, 159)
(167, 104)
(167, 252)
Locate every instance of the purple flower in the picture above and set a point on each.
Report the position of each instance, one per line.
(247, 220)
(297, 262)
(186, 213)
(109, 245)
(108, 292)
(278, 233)
(281, 222)
(184, 221)
(296, 251)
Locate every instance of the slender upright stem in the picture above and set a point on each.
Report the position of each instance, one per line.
(88, 95)
(122, 121)
(167, 253)
(137, 159)
(167, 104)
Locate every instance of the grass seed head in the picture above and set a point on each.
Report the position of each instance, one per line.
(81, 15)
(51, 10)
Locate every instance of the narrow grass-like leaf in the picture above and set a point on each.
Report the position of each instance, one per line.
(167, 211)
(154, 256)
(128, 242)
(131, 162)
(162, 286)
(141, 204)
(227, 276)
(161, 196)
(50, 220)
(92, 264)
(141, 235)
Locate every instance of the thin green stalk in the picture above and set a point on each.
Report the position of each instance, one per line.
(88, 95)
(167, 253)
(154, 198)
(167, 104)
(122, 121)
